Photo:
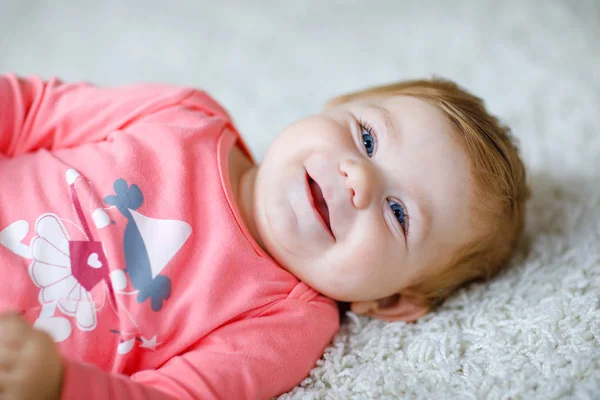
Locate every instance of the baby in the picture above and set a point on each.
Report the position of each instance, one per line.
(147, 256)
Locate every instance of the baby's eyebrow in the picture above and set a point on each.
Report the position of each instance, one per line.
(387, 118)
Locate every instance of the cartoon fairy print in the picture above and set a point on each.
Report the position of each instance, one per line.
(148, 244)
(65, 270)
(74, 277)
(60, 268)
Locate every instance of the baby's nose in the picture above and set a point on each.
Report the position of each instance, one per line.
(359, 180)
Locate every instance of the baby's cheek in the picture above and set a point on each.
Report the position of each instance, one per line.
(367, 258)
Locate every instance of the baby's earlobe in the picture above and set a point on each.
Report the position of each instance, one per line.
(401, 307)
(388, 301)
(363, 307)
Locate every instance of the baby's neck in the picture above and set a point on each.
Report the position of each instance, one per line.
(242, 177)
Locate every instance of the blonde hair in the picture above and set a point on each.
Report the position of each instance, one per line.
(499, 176)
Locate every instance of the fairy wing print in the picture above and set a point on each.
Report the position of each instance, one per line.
(52, 271)
(65, 270)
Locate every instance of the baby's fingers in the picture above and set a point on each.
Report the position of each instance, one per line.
(14, 331)
(13, 387)
(8, 359)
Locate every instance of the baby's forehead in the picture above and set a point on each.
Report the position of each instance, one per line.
(402, 101)
(399, 104)
(408, 112)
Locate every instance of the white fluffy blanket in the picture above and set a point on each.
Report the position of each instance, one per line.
(532, 333)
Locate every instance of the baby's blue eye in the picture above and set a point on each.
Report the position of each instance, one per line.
(368, 141)
(399, 213)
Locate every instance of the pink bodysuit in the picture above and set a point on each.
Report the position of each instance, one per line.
(120, 237)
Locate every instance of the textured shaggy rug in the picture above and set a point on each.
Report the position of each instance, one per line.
(532, 333)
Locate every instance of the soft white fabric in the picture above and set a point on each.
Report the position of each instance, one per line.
(534, 332)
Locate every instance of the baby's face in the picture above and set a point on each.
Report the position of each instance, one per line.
(364, 198)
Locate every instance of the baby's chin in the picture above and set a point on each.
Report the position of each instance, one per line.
(329, 283)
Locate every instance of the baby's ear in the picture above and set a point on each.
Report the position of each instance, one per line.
(401, 307)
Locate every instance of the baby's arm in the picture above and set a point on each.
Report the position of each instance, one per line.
(31, 368)
(253, 358)
(51, 115)
(36, 114)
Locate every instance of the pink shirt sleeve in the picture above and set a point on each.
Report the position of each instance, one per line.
(51, 115)
(254, 358)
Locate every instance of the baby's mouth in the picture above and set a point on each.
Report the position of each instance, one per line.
(319, 203)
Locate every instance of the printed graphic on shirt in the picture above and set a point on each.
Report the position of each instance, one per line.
(74, 275)
(149, 244)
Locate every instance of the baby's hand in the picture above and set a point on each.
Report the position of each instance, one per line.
(30, 365)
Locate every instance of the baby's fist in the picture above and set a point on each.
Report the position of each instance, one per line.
(30, 365)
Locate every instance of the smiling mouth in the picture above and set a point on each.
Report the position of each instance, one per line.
(319, 204)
